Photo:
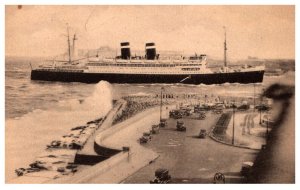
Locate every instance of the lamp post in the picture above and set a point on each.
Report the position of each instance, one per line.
(233, 113)
(253, 97)
(260, 109)
(160, 115)
(267, 133)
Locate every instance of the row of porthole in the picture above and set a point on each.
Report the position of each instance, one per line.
(135, 69)
(147, 72)
(143, 65)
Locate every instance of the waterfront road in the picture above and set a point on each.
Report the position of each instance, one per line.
(190, 159)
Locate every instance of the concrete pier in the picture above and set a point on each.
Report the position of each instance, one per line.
(92, 153)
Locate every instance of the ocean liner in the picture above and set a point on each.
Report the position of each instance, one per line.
(150, 68)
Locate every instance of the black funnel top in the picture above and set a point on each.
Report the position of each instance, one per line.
(125, 50)
(150, 51)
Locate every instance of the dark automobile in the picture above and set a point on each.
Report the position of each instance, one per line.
(154, 129)
(180, 126)
(185, 111)
(161, 176)
(202, 134)
(246, 167)
(262, 107)
(163, 123)
(145, 138)
(202, 116)
(243, 107)
(176, 114)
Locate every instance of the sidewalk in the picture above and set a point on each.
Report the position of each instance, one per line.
(247, 130)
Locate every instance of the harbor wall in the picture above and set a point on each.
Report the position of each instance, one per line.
(93, 153)
(85, 159)
(97, 173)
(105, 151)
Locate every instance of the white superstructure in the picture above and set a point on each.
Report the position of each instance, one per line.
(192, 65)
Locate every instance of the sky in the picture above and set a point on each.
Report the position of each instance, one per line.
(259, 31)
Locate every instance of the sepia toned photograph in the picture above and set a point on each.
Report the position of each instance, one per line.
(150, 94)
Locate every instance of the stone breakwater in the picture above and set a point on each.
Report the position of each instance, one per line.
(136, 105)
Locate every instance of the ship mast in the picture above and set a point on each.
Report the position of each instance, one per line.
(69, 48)
(73, 48)
(225, 48)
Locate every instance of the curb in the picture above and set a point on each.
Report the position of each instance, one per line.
(225, 143)
(122, 181)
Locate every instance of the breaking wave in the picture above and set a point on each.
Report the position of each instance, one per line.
(27, 136)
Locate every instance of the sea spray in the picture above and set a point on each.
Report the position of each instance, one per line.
(101, 100)
(27, 136)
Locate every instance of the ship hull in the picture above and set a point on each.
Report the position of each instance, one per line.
(212, 78)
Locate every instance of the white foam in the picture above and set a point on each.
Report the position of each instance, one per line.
(28, 136)
(140, 94)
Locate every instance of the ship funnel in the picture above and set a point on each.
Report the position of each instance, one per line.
(125, 50)
(150, 51)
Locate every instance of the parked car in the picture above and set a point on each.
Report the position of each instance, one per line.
(161, 176)
(180, 126)
(163, 123)
(202, 134)
(202, 116)
(262, 107)
(145, 138)
(155, 129)
(175, 114)
(219, 178)
(243, 107)
(246, 167)
(185, 111)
